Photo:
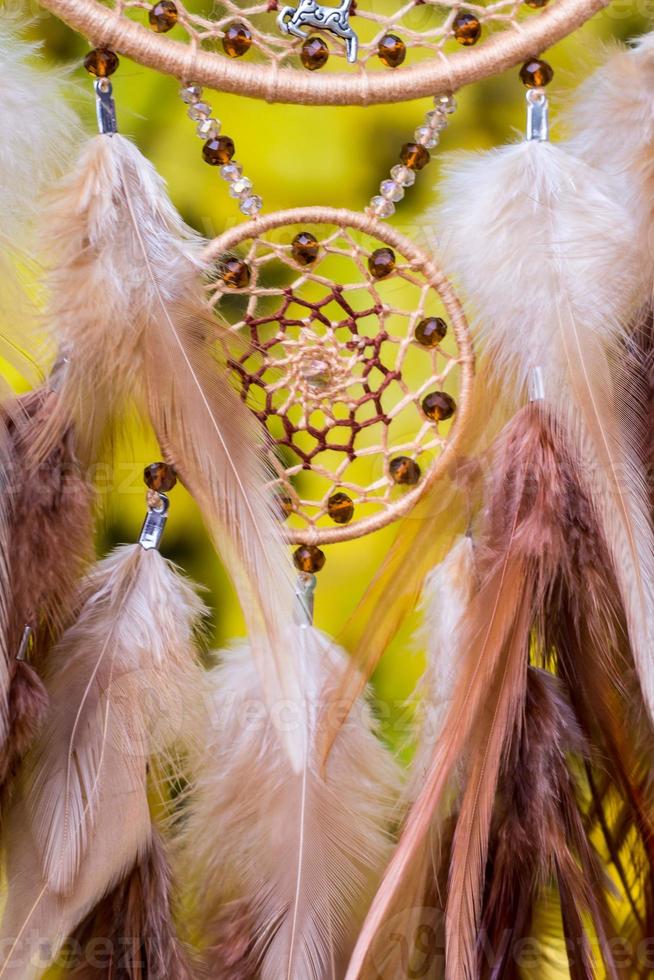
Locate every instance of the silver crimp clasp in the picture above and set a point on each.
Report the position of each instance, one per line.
(154, 524)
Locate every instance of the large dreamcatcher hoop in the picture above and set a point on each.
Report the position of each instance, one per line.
(276, 36)
(337, 309)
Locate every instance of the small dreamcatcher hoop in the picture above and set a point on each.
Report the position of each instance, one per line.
(282, 37)
(358, 362)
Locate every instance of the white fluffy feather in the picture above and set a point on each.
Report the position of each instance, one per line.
(302, 851)
(39, 134)
(445, 597)
(124, 688)
(548, 257)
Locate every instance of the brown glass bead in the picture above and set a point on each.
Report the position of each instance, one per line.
(438, 406)
(218, 150)
(404, 470)
(391, 50)
(536, 4)
(467, 28)
(159, 477)
(381, 263)
(536, 73)
(414, 156)
(430, 331)
(163, 16)
(234, 272)
(340, 508)
(314, 53)
(237, 40)
(304, 248)
(308, 558)
(101, 62)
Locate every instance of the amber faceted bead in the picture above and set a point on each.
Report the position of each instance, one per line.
(159, 477)
(163, 16)
(414, 156)
(381, 263)
(404, 470)
(438, 406)
(536, 73)
(218, 150)
(391, 50)
(234, 272)
(340, 508)
(314, 53)
(536, 4)
(101, 62)
(237, 40)
(304, 248)
(467, 28)
(308, 558)
(430, 331)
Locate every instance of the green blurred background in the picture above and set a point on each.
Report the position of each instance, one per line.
(295, 156)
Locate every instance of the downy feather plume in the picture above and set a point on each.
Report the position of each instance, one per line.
(447, 592)
(547, 593)
(553, 227)
(128, 307)
(611, 122)
(33, 103)
(124, 688)
(297, 854)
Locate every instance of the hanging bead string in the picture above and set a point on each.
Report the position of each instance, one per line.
(414, 156)
(218, 151)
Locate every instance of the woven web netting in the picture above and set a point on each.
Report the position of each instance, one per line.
(332, 367)
(426, 28)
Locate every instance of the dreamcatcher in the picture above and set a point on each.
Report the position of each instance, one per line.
(309, 376)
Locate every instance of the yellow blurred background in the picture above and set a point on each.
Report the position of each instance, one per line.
(296, 156)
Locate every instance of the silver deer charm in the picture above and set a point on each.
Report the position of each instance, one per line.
(291, 20)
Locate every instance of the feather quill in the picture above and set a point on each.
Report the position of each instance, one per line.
(300, 852)
(128, 306)
(124, 688)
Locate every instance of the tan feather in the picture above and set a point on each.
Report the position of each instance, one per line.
(128, 307)
(301, 853)
(123, 688)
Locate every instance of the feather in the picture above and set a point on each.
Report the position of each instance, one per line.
(33, 103)
(553, 225)
(49, 540)
(447, 592)
(128, 306)
(301, 853)
(546, 586)
(611, 120)
(133, 930)
(124, 688)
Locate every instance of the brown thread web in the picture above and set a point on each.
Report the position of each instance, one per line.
(425, 27)
(332, 369)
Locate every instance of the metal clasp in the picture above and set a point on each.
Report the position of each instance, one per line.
(105, 107)
(154, 524)
(538, 124)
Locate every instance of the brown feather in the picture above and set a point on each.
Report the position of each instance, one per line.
(49, 542)
(133, 928)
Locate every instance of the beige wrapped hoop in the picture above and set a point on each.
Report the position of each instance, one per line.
(333, 366)
(442, 72)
